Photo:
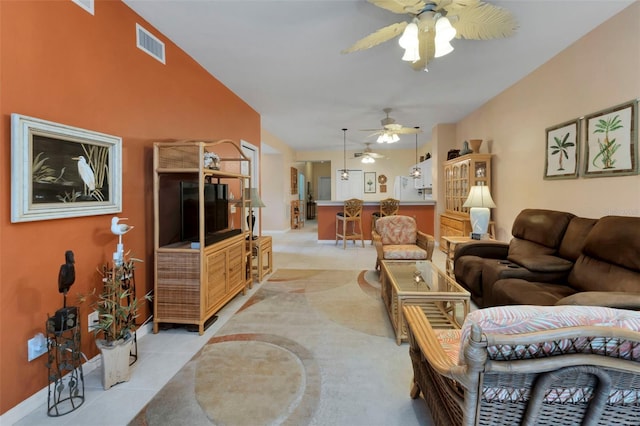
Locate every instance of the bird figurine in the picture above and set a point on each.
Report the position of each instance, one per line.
(67, 274)
(120, 228)
(86, 174)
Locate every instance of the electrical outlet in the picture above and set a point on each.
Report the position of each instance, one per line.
(92, 320)
(36, 346)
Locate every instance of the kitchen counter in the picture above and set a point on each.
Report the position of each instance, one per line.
(376, 203)
(421, 211)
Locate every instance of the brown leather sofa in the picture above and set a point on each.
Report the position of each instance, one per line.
(555, 258)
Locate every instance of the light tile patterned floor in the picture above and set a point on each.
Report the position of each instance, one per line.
(163, 354)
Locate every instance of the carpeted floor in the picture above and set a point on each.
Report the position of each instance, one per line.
(311, 347)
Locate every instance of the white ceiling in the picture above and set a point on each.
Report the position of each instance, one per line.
(283, 58)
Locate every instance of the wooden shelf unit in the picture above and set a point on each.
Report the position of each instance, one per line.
(192, 281)
(460, 174)
(297, 215)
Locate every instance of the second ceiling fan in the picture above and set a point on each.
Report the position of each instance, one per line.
(390, 129)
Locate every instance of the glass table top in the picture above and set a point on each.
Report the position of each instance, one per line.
(420, 276)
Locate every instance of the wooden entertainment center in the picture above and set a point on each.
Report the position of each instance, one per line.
(194, 280)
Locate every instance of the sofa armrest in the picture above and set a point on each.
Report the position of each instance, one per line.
(485, 248)
(609, 299)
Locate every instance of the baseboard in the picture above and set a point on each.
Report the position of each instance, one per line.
(37, 399)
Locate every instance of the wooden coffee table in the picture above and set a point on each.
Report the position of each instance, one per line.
(437, 294)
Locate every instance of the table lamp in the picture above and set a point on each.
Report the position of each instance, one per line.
(479, 200)
(252, 195)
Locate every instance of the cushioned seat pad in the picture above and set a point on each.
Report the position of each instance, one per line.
(542, 263)
(514, 291)
(404, 252)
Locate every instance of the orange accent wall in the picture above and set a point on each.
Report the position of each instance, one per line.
(62, 64)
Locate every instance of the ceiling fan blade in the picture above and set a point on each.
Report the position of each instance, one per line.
(376, 155)
(408, 131)
(481, 21)
(400, 6)
(380, 36)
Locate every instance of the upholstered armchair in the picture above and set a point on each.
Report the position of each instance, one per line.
(529, 365)
(397, 238)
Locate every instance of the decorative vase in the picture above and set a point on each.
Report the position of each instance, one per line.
(115, 361)
(475, 145)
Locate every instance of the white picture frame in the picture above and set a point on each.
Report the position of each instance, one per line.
(60, 171)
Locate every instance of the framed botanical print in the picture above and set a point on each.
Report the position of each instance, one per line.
(370, 182)
(611, 146)
(562, 152)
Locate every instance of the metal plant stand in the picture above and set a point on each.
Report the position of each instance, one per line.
(64, 362)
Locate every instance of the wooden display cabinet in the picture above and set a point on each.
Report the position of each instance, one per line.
(460, 174)
(194, 280)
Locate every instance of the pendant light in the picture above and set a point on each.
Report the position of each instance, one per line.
(344, 173)
(416, 173)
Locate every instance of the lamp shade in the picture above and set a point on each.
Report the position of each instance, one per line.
(479, 196)
(479, 200)
(252, 194)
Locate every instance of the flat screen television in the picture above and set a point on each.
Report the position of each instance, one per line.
(216, 212)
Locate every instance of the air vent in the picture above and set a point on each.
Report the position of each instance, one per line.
(149, 43)
(85, 4)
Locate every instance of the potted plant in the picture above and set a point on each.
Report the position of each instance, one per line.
(117, 308)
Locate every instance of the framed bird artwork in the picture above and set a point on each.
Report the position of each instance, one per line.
(60, 171)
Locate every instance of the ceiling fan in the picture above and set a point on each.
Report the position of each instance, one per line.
(433, 23)
(367, 156)
(390, 129)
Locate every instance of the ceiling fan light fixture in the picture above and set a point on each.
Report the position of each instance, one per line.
(367, 159)
(411, 54)
(409, 37)
(444, 29)
(444, 34)
(410, 43)
(442, 48)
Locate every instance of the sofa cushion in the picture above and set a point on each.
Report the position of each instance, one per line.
(545, 227)
(515, 291)
(590, 274)
(397, 229)
(615, 239)
(542, 263)
(403, 252)
(519, 247)
(575, 237)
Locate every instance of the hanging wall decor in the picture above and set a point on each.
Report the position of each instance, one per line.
(59, 171)
(611, 146)
(562, 153)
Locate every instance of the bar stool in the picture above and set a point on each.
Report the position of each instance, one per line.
(351, 213)
(388, 207)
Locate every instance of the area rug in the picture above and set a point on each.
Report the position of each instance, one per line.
(310, 347)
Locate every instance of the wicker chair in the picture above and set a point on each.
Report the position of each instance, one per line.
(529, 365)
(388, 207)
(397, 238)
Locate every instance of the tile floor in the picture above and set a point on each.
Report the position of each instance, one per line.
(162, 355)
